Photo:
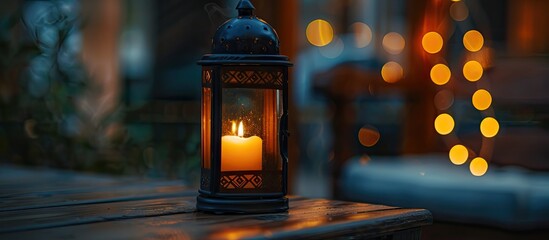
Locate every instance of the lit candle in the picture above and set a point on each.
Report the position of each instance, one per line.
(239, 153)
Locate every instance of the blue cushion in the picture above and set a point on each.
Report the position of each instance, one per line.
(508, 197)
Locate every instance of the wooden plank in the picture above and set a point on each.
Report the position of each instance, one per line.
(31, 219)
(31, 188)
(307, 218)
(92, 195)
(18, 179)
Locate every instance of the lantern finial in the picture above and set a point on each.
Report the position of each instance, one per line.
(245, 8)
(245, 34)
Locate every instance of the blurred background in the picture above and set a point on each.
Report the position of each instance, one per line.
(437, 104)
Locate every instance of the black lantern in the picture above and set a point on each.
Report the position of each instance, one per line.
(244, 119)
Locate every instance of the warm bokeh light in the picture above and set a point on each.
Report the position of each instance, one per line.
(440, 74)
(319, 32)
(432, 42)
(459, 11)
(362, 33)
(458, 154)
(481, 99)
(393, 43)
(478, 166)
(489, 127)
(392, 72)
(473, 40)
(472, 71)
(334, 49)
(444, 99)
(364, 159)
(444, 124)
(368, 136)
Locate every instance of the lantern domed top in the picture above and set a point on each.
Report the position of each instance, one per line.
(245, 34)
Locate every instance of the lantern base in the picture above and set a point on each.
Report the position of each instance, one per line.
(241, 206)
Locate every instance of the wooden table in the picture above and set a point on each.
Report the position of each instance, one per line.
(53, 204)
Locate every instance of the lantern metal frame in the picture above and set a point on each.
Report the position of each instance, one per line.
(245, 54)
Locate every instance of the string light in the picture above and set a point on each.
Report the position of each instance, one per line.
(444, 124)
(432, 42)
(481, 99)
(472, 71)
(489, 127)
(478, 166)
(473, 40)
(440, 74)
(458, 154)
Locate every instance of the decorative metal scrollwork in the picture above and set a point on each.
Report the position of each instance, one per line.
(271, 79)
(246, 181)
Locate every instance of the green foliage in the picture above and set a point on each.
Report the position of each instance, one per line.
(41, 122)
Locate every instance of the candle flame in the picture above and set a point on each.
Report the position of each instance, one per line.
(240, 129)
(233, 128)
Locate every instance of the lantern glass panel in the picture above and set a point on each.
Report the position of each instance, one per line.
(206, 127)
(250, 151)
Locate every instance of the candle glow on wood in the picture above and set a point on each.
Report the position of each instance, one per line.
(239, 153)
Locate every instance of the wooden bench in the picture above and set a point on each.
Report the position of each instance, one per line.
(54, 204)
